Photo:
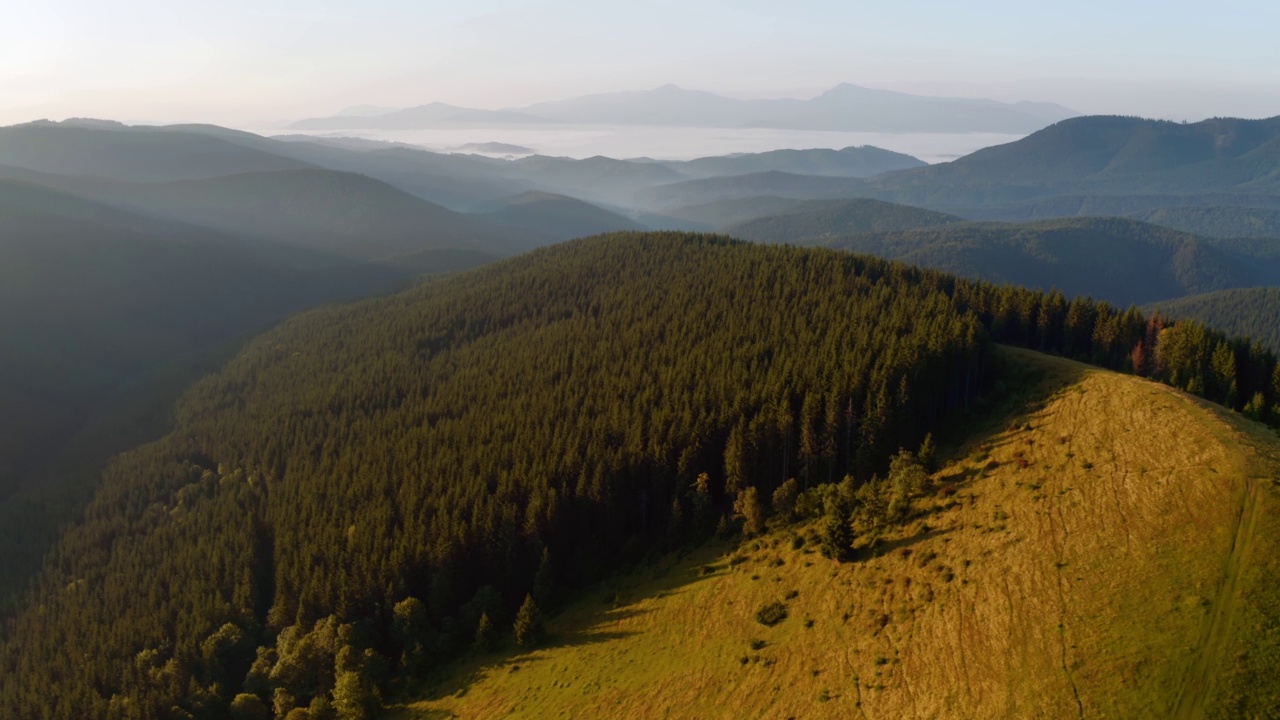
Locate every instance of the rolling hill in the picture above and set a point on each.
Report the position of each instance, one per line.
(549, 218)
(864, 161)
(1218, 221)
(1211, 212)
(599, 179)
(339, 213)
(1248, 312)
(449, 401)
(1122, 261)
(104, 317)
(772, 184)
(127, 153)
(368, 491)
(1107, 549)
(726, 213)
(818, 221)
(1102, 155)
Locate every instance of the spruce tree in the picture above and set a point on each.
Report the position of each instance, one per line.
(927, 452)
(837, 535)
(528, 625)
(486, 638)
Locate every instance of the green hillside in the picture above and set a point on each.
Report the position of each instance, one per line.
(1223, 215)
(105, 317)
(1123, 261)
(1250, 312)
(724, 213)
(1218, 221)
(548, 218)
(412, 457)
(1105, 547)
(368, 491)
(817, 221)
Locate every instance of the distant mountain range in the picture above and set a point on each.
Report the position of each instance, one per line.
(1097, 165)
(844, 107)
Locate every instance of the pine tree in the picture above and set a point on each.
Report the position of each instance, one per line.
(528, 625)
(486, 638)
(735, 461)
(926, 453)
(749, 507)
(544, 589)
(837, 535)
(675, 524)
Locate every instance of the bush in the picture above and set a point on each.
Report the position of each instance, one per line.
(771, 614)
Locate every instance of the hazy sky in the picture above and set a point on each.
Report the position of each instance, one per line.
(249, 61)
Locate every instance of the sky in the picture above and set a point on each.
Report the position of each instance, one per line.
(256, 62)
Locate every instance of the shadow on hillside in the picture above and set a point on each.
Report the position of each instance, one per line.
(1028, 382)
(886, 547)
(582, 623)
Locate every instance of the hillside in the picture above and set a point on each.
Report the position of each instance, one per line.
(1110, 550)
(598, 179)
(105, 316)
(725, 213)
(126, 153)
(864, 161)
(773, 184)
(549, 218)
(411, 457)
(1103, 155)
(1218, 221)
(368, 491)
(341, 213)
(456, 181)
(1251, 312)
(1123, 261)
(1216, 214)
(817, 221)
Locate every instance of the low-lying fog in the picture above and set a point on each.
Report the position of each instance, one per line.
(668, 143)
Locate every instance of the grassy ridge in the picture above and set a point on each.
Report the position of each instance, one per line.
(1087, 559)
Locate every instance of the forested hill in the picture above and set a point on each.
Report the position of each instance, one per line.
(404, 464)
(369, 489)
(1102, 155)
(1122, 261)
(815, 221)
(1246, 312)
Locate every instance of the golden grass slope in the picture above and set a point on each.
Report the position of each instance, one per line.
(1113, 553)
